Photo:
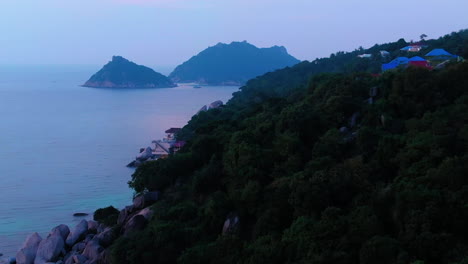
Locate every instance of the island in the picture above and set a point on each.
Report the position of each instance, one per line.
(232, 64)
(122, 73)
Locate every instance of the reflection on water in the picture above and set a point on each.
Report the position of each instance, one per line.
(64, 148)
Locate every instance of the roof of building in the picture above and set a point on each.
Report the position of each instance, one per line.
(400, 60)
(161, 147)
(389, 66)
(416, 58)
(173, 130)
(438, 52)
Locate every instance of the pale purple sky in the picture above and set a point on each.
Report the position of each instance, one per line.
(168, 32)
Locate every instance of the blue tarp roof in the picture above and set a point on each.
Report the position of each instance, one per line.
(395, 63)
(400, 60)
(389, 66)
(406, 48)
(438, 52)
(417, 58)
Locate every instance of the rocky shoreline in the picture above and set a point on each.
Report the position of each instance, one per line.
(89, 241)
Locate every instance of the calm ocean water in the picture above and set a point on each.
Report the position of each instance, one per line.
(63, 148)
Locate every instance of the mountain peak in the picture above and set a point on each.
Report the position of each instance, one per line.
(233, 63)
(119, 59)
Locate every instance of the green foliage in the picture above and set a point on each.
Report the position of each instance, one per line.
(306, 184)
(107, 215)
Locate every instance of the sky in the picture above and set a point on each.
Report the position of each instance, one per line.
(169, 32)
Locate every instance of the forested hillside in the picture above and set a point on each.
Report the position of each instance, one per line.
(323, 162)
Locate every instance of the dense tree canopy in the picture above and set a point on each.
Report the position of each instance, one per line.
(319, 168)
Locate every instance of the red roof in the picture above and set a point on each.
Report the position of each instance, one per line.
(422, 64)
(173, 130)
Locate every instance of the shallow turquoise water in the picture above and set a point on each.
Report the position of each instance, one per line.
(63, 148)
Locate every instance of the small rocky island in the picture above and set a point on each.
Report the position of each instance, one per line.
(122, 73)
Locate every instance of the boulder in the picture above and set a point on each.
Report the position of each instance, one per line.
(124, 214)
(78, 233)
(79, 247)
(147, 213)
(203, 109)
(80, 214)
(136, 223)
(106, 238)
(216, 104)
(93, 250)
(70, 260)
(27, 253)
(63, 230)
(88, 238)
(67, 259)
(93, 226)
(80, 259)
(344, 130)
(145, 154)
(105, 257)
(145, 200)
(132, 164)
(50, 249)
(231, 224)
(354, 119)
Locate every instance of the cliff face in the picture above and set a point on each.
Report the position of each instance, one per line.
(233, 64)
(122, 73)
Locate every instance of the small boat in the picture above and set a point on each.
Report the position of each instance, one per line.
(197, 86)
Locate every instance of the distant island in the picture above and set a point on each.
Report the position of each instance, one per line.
(122, 73)
(232, 64)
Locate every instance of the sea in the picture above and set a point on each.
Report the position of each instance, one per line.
(64, 148)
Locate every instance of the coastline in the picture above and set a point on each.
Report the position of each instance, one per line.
(88, 241)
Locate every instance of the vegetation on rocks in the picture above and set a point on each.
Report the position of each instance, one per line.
(107, 216)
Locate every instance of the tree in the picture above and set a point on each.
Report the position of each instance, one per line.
(422, 37)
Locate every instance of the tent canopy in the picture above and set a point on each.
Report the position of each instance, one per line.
(416, 58)
(400, 60)
(389, 66)
(438, 52)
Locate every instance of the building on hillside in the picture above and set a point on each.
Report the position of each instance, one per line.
(440, 54)
(384, 53)
(419, 62)
(395, 63)
(171, 133)
(414, 47)
(365, 56)
(177, 146)
(161, 149)
(411, 48)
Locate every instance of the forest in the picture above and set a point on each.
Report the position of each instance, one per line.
(323, 162)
